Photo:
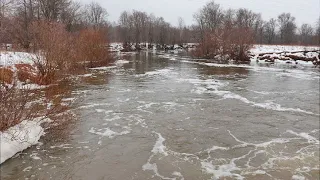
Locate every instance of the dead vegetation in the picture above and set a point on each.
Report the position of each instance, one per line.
(16, 105)
(56, 53)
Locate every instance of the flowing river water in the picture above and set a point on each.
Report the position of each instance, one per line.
(166, 116)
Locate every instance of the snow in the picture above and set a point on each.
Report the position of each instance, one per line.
(11, 58)
(121, 62)
(86, 75)
(104, 68)
(258, 49)
(20, 85)
(19, 138)
(281, 54)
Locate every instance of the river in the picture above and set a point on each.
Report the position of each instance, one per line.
(167, 116)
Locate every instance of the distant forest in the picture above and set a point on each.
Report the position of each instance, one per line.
(17, 17)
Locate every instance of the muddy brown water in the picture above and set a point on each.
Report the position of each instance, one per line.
(166, 116)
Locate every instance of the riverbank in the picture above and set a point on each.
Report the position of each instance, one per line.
(285, 54)
(28, 98)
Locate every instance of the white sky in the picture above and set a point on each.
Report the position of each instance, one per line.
(305, 11)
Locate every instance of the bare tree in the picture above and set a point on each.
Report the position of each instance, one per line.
(6, 7)
(96, 15)
(71, 16)
(213, 15)
(26, 13)
(317, 41)
(270, 30)
(287, 27)
(52, 9)
(140, 25)
(306, 33)
(181, 26)
(245, 18)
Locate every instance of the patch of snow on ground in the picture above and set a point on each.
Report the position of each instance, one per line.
(11, 58)
(19, 138)
(257, 49)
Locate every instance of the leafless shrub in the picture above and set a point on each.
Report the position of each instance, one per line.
(19, 103)
(59, 50)
(92, 48)
(225, 44)
(15, 106)
(53, 43)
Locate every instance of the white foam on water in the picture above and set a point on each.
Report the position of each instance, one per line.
(159, 72)
(92, 105)
(63, 146)
(278, 107)
(104, 111)
(221, 171)
(153, 167)
(145, 106)
(121, 62)
(108, 132)
(212, 86)
(104, 68)
(214, 148)
(178, 174)
(266, 105)
(124, 90)
(311, 139)
(294, 73)
(35, 156)
(86, 75)
(139, 120)
(271, 92)
(27, 169)
(298, 177)
(275, 159)
(243, 165)
(159, 147)
(110, 117)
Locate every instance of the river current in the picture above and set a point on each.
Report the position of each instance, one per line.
(168, 116)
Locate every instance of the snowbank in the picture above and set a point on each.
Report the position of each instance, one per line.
(11, 58)
(19, 138)
(118, 47)
(258, 49)
(303, 55)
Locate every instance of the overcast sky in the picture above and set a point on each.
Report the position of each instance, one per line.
(305, 11)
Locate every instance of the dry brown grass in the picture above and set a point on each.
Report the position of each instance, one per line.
(6, 75)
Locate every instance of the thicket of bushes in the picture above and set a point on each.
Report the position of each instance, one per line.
(225, 35)
(56, 51)
(59, 50)
(225, 44)
(59, 47)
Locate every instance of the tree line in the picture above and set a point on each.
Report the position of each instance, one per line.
(16, 17)
(136, 26)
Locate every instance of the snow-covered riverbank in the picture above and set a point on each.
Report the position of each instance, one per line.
(303, 55)
(19, 138)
